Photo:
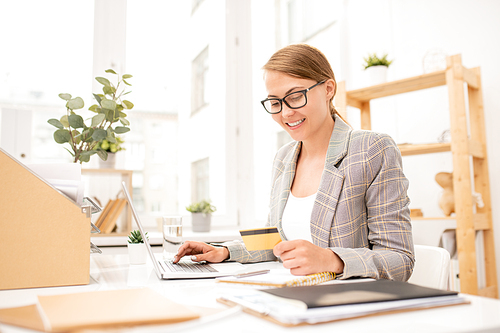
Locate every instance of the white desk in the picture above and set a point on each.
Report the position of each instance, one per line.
(112, 271)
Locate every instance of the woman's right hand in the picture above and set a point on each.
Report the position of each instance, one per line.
(200, 251)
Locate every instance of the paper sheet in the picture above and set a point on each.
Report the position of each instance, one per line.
(66, 177)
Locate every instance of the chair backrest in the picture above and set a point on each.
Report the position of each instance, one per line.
(432, 267)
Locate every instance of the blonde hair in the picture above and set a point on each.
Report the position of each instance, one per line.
(305, 62)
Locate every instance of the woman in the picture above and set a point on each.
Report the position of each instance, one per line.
(339, 196)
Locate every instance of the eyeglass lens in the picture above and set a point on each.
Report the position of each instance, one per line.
(294, 100)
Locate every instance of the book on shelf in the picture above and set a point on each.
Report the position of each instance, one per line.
(111, 218)
(103, 214)
(107, 220)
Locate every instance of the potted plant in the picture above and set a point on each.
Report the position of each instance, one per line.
(109, 112)
(111, 149)
(136, 248)
(201, 213)
(376, 68)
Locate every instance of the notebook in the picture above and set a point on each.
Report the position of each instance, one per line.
(279, 278)
(187, 269)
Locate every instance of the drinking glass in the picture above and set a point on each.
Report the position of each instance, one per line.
(172, 235)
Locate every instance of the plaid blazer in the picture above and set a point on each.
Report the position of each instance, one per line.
(361, 209)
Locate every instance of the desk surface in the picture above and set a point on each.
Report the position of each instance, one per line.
(112, 271)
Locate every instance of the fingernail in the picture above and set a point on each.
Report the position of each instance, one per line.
(193, 258)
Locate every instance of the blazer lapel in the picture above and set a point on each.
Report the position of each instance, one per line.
(330, 186)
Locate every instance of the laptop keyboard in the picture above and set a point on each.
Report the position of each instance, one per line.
(190, 267)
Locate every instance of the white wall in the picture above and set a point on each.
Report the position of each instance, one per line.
(407, 29)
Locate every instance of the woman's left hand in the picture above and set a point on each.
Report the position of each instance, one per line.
(303, 258)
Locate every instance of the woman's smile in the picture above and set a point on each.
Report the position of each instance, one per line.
(296, 123)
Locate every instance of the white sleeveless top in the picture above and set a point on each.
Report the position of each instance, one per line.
(296, 219)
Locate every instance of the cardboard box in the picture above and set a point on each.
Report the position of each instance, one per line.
(45, 235)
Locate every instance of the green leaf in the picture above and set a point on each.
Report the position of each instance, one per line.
(64, 121)
(85, 156)
(75, 103)
(123, 114)
(75, 121)
(56, 123)
(124, 121)
(126, 76)
(94, 107)
(77, 138)
(108, 90)
(128, 92)
(87, 135)
(97, 98)
(121, 129)
(127, 104)
(128, 84)
(99, 134)
(102, 154)
(110, 115)
(66, 97)
(88, 153)
(109, 132)
(97, 119)
(110, 71)
(103, 81)
(108, 104)
(62, 136)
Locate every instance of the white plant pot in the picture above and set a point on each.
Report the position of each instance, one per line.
(201, 222)
(109, 163)
(376, 75)
(137, 253)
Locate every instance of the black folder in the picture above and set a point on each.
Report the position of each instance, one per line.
(357, 293)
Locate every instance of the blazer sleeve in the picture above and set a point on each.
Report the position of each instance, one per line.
(390, 254)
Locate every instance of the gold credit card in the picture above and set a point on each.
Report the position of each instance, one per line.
(261, 238)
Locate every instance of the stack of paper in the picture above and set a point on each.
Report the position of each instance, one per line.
(323, 303)
(64, 177)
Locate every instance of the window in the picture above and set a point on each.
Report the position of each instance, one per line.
(200, 180)
(199, 80)
(195, 4)
(307, 18)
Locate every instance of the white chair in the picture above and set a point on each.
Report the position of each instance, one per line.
(432, 267)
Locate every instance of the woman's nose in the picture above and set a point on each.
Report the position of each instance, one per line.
(286, 111)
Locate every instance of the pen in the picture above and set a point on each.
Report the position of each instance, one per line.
(252, 273)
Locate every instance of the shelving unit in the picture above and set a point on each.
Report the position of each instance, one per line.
(464, 146)
(113, 179)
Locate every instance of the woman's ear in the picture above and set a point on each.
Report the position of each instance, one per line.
(330, 88)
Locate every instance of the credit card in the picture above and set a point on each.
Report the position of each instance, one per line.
(261, 238)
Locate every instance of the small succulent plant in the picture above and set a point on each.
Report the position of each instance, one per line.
(203, 206)
(374, 60)
(135, 237)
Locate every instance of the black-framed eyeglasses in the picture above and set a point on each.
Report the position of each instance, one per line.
(295, 100)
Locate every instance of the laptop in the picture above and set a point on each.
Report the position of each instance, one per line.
(185, 269)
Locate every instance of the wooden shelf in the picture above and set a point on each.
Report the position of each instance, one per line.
(429, 148)
(467, 177)
(421, 82)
